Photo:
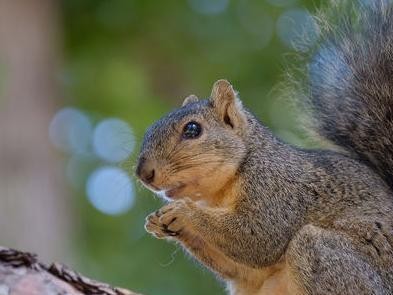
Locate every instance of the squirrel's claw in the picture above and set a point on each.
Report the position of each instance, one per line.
(154, 228)
(169, 221)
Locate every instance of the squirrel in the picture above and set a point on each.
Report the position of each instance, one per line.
(271, 218)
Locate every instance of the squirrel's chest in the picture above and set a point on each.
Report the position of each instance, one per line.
(275, 280)
(277, 284)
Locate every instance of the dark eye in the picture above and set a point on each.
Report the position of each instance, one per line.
(192, 130)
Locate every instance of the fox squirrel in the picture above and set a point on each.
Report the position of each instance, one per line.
(271, 218)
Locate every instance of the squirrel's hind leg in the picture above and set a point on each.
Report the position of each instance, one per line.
(324, 262)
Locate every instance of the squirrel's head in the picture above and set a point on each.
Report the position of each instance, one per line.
(195, 150)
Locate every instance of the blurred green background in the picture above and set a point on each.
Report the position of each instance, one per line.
(92, 75)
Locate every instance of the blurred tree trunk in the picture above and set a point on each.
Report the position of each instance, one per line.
(34, 211)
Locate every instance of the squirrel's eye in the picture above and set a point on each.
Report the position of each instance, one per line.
(192, 130)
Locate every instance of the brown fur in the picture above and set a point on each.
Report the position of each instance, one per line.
(270, 218)
(274, 279)
(264, 233)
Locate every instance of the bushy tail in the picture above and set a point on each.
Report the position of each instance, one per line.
(349, 81)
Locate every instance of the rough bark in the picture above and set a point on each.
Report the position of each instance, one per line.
(21, 273)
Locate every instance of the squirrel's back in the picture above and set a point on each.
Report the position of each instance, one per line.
(349, 82)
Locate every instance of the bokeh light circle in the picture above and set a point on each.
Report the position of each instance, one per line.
(70, 130)
(113, 140)
(110, 190)
(297, 29)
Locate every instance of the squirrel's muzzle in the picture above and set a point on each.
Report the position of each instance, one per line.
(145, 171)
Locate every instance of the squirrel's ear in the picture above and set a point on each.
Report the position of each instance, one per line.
(189, 99)
(227, 104)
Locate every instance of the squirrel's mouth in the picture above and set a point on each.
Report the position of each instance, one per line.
(151, 187)
(170, 193)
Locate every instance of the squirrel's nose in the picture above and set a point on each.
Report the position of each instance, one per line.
(145, 171)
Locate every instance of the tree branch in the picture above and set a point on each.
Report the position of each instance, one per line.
(21, 273)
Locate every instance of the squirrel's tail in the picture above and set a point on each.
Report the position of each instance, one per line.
(349, 82)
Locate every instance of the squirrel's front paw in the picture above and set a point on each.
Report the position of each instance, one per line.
(170, 220)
